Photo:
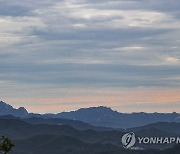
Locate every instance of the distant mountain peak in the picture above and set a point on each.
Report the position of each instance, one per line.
(3, 103)
(98, 108)
(22, 109)
(6, 109)
(106, 117)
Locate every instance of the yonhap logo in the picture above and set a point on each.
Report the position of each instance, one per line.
(128, 140)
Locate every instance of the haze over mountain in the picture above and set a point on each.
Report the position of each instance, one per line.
(97, 116)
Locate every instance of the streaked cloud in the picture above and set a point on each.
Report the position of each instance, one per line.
(72, 44)
(172, 59)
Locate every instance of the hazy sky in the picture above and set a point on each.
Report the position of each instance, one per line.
(60, 55)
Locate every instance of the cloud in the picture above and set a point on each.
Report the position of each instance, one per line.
(6, 10)
(172, 59)
(81, 43)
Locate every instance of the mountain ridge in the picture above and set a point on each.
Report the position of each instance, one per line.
(6, 109)
(38, 137)
(97, 116)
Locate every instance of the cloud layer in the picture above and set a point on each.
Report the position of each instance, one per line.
(82, 44)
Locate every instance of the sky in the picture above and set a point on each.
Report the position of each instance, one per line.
(62, 55)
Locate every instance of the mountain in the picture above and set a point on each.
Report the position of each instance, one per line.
(168, 127)
(66, 133)
(18, 129)
(173, 150)
(47, 144)
(64, 139)
(6, 109)
(59, 121)
(103, 116)
(51, 144)
(97, 116)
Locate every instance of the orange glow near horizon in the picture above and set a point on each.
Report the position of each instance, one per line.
(123, 100)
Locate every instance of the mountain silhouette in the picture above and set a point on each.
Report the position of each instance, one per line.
(6, 109)
(104, 116)
(34, 138)
(97, 116)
